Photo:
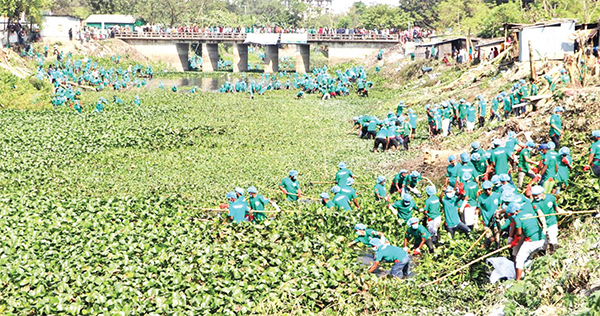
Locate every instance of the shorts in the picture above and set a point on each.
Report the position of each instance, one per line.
(434, 225)
(527, 248)
(470, 216)
(470, 126)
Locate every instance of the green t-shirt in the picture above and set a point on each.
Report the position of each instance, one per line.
(329, 204)
(471, 189)
(480, 166)
(488, 204)
(482, 108)
(523, 164)
(556, 121)
(349, 192)
(369, 233)
(464, 168)
(510, 145)
(342, 175)
(452, 173)
(500, 157)
(551, 161)
(405, 211)
(372, 126)
(533, 89)
(462, 110)
(547, 206)
(392, 131)
(563, 169)
(390, 253)
(595, 149)
(507, 104)
(341, 201)
(258, 203)
(420, 233)
(291, 187)
(432, 206)
(451, 211)
(531, 227)
(382, 133)
(495, 105)
(238, 210)
(447, 113)
(471, 113)
(379, 189)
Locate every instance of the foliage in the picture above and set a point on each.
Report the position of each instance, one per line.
(384, 16)
(509, 12)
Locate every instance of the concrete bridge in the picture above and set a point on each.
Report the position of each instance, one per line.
(173, 48)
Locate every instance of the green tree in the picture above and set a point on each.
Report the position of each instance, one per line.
(493, 23)
(13, 9)
(423, 12)
(462, 16)
(383, 16)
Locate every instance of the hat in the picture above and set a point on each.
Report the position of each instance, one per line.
(376, 242)
(480, 97)
(403, 171)
(537, 190)
(466, 176)
(461, 100)
(530, 144)
(451, 158)
(293, 173)
(380, 179)
(559, 109)
(513, 207)
(412, 220)
(496, 142)
(342, 165)
(551, 145)
(415, 174)
(511, 134)
(355, 118)
(543, 147)
(252, 190)
(564, 151)
(324, 195)
(239, 190)
(449, 189)
(464, 157)
(487, 185)
(488, 155)
(411, 111)
(475, 157)
(504, 177)
(360, 226)
(336, 189)
(430, 190)
(475, 145)
(406, 197)
(509, 196)
(595, 133)
(230, 195)
(350, 181)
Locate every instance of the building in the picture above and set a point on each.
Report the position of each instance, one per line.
(445, 46)
(550, 40)
(56, 27)
(105, 21)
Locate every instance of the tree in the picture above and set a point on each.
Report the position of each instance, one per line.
(13, 9)
(423, 12)
(462, 15)
(383, 16)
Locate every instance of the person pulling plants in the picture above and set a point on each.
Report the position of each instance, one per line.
(547, 204)
(350, 192)
(365, 235)
(449, 204)
(404, 208)
(257, 205)
(488, 203)
(389, 253)
(291, 187)
(340, 200)
(380, 192)
(343, 174)
(528, 234)
(237, 208)
(420, 234)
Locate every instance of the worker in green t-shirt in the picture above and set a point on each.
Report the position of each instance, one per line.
(432, 212)
(556, 126)
(404, 208)
(389, 253)
(525, 162)
(325, 201)
(257, 205)
(380, 192)
(291, 187)
(529, 235)
(488, 203)
(594, 156)
(364, 235)
(547, 204)
(565, 164)
(420, 234)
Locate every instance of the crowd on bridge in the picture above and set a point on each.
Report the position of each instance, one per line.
(414, 33)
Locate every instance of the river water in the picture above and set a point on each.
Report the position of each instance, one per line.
(210, 84)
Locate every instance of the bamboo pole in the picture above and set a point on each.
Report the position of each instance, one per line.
(565, 213)
(473, 245)
(531, 62)
(464, 267)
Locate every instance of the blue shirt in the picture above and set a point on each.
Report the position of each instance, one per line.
(237, 210)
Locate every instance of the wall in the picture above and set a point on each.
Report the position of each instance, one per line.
(550, 42)
(57, 27)
(346, 52)
(172, 53)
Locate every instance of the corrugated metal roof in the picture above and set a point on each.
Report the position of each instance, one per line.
(110, 18)
(539, 24)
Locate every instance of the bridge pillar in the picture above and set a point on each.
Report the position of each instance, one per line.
(240, 57)
(303, 58)
(183, 50)
(210, 57)
(271, 58)
(342, 52)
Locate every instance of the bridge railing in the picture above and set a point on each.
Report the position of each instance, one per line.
(242, 36)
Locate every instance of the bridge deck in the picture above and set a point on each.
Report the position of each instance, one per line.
(237, 37)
